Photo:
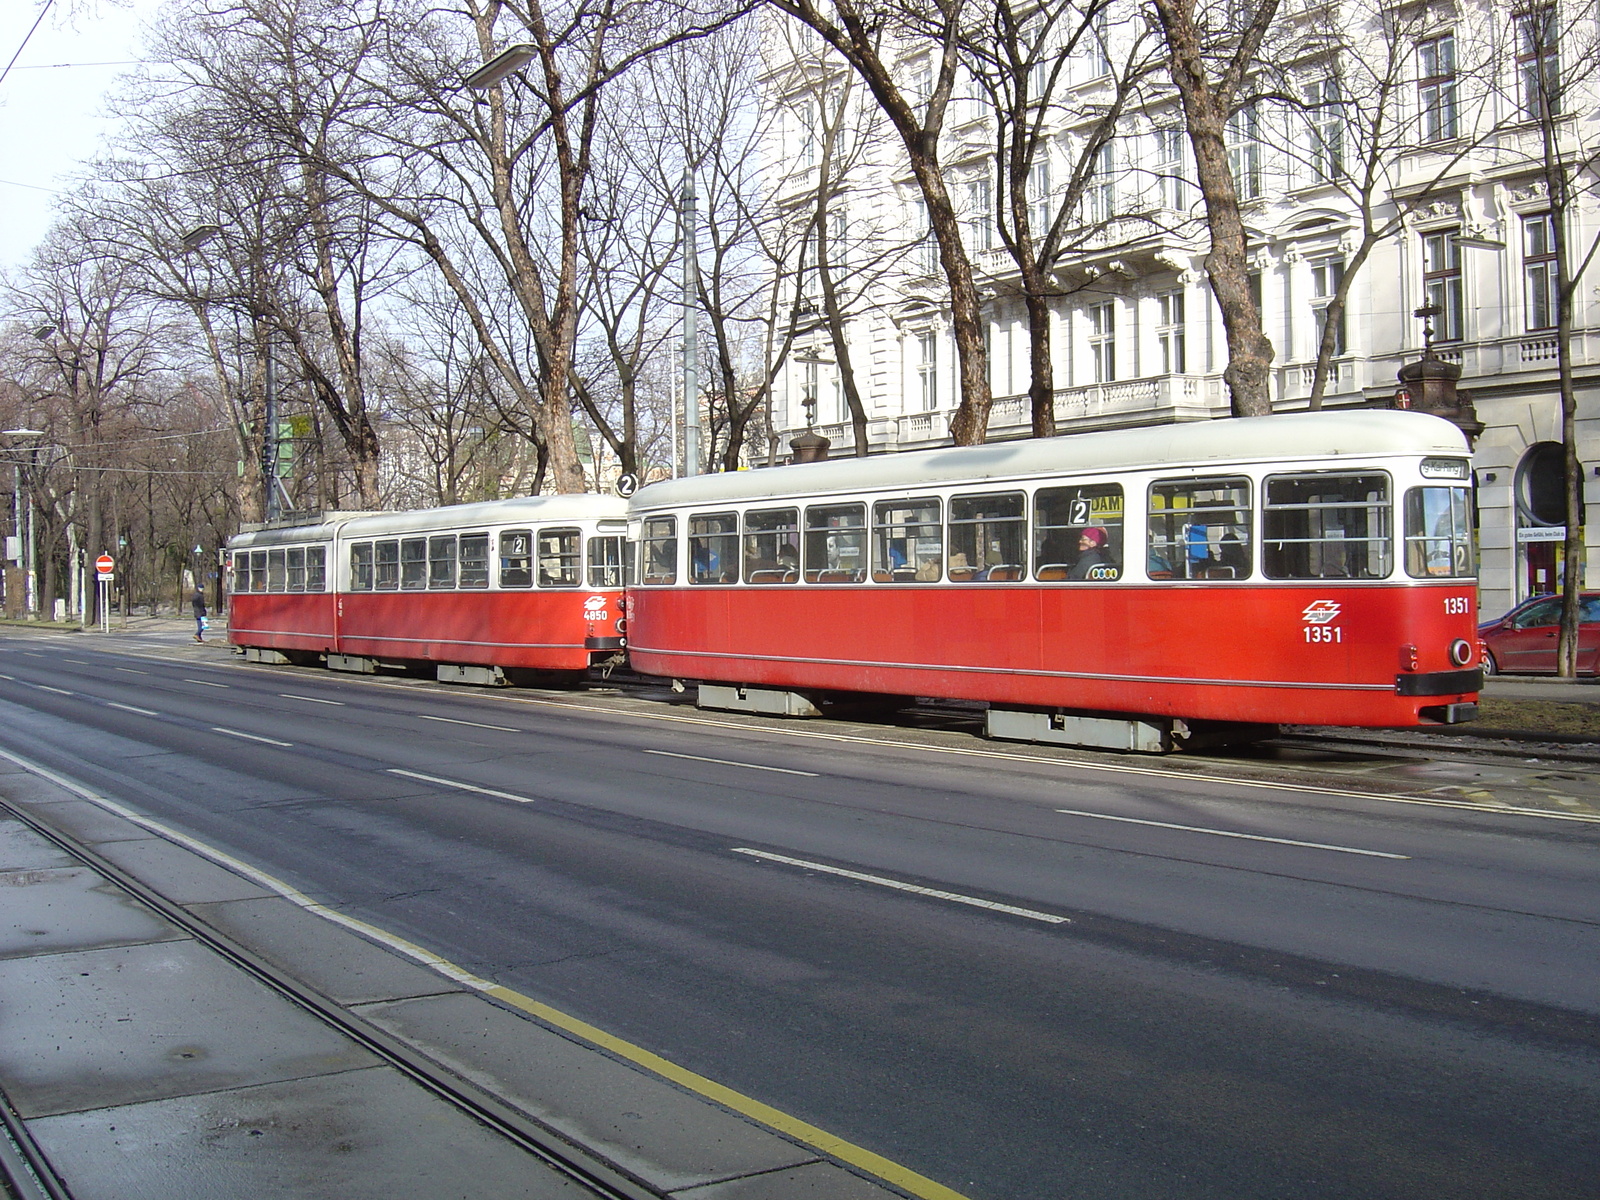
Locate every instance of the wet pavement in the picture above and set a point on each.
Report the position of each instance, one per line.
(141, 1061)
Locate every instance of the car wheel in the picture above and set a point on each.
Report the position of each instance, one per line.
(1490, 667)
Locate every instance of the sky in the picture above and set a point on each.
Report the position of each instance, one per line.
(53, 110)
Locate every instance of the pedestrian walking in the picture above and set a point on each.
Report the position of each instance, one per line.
(198, 603)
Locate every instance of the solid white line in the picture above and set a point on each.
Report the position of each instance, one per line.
(145, 712)
(208, 683)
(309, 699)
(1249, 837)
(933, 893)
(45, 687)
(130, 670)
(728, 763)
(251, 736)
(465, 787)
(474, 724)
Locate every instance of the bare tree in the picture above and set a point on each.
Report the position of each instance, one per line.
(873, 38)
(1557, 68)
(1021, 61)
(1211, 54)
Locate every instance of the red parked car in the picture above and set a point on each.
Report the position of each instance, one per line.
(1524, 640)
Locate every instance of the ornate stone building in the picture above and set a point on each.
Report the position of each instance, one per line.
(1450, 216)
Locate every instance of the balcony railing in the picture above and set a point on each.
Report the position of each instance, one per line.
(1153, 400)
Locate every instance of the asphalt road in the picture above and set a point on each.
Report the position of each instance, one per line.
(1255, 991)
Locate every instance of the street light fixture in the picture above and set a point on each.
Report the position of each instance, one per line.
(512, 58)
(199, 236)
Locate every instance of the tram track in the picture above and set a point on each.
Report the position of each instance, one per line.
(547, 1145)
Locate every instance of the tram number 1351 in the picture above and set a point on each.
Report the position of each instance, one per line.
(1324, 633)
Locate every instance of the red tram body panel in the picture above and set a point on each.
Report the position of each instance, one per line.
(532, 584)
(1340, 590)
(541, 631)
(1104, 650)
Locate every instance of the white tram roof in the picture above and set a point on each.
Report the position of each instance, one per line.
(1199, 445)
(520, 510)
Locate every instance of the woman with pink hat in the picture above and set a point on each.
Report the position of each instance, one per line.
(1091, 552)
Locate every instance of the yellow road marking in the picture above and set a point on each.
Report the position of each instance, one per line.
(776, 1119)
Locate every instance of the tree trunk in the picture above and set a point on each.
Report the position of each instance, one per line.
(1206, 109)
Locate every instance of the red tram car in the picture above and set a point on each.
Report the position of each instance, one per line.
(1127, 588)
(475, 589)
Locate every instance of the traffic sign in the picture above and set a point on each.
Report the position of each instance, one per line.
(105, 564)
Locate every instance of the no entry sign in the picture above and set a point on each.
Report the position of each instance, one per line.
(105, 564)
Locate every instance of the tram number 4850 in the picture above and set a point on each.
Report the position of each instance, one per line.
(1324, 633)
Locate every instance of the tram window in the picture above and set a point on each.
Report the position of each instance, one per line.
(987, 537)
(295, 563)
(316, 568)
(258, 570)
(836, 543)
(1200, 529)
(516, 558)
(277, 574)
(560, 558)
(713, 548)
(1063, 517)
(772, 545)
(907, 541)
(1439, 533)
(1326, 526)
(660, 555)
(442, 561)
(413, 564)
(241, 571)
(474, 563)
(386, 566)
(605, 561)
(361, 567)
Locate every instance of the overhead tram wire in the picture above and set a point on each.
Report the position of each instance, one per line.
(28, 37)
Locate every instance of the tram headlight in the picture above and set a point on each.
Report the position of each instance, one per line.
(1461, 652)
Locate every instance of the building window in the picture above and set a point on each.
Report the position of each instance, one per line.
(1441, 283)
(1172, 187)
(980, 206)
(1039, 205)
(1539, 278)
(928, 369)
(1327, 272)
(1100, 194)
(921, 88)
(1326, 118)
(1169, 332)
(1244, 153)
(806, 122)
(1096, 50)
(1436, 87)
(925, 252)
(1538, 63)
(1103, 341)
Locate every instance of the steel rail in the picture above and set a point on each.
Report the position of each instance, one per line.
(549, 1145)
